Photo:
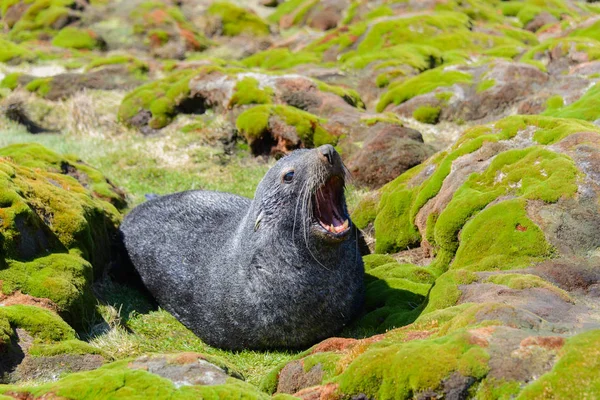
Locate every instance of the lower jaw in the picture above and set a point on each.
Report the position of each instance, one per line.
(333, 237)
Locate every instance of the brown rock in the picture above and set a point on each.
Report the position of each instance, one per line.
(388, 152)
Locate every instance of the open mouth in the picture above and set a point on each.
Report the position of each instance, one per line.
(329, 208)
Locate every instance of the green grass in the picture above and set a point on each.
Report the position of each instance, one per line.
(138, 329)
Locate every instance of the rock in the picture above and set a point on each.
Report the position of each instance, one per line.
(540, 20)
(37, 344)
(62, 86)
(388, 151)
(185, 369)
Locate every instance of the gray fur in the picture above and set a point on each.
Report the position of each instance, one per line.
(249, 274)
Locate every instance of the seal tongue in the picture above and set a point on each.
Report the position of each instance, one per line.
(329, 209)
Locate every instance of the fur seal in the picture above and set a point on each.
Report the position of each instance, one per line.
(281, 271)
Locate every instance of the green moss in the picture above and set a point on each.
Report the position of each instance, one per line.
(248, 91)
(11, 81)
(507, 51)
(237, 20)
(445, 292)
(586, 108)
(75, 38)
(383, 371)
(527, 281)
(365, 212)
(485, 85)
(422, 84)
(393, 226)
(117, 380)
(133, 63)
(36, 156)
(71, 346)
(533, 173)
(381, 11)
(419, 57)
(39, 86)
(254, 124)
(65, 279)
(515, 241)
(45, 326)
(427, 114)
(10, 51)
(554, 102)
(276, 59)
(160, 97)
(574, 375)
(38, 19)
(350, 96)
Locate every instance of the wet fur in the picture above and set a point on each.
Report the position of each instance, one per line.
(246, 273)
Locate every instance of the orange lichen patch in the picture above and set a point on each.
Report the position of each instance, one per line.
(325, 392)
(158, 16)
(547, 342)
(334, 344)
(190, 39)
(480, 336)
(25, 299)
(333, 35)
(187, 358)
(417, 335)
(576, 139)
(356, 349)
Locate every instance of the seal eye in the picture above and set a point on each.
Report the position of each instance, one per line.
(288, 177)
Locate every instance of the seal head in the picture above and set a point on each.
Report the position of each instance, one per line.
(280, 271)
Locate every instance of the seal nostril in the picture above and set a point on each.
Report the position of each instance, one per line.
(327, 152)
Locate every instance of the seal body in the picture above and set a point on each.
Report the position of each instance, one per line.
(280, 271)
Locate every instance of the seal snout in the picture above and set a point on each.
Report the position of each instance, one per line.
(327, 153)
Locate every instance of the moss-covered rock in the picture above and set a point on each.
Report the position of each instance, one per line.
(272, 128)
(34, 19)
(179, 376)
(236, 20)
(165, 30)
(74, 38)
(57, 227)
(157, 103)
(13, 53)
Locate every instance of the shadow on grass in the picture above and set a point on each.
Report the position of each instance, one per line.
(385, 308)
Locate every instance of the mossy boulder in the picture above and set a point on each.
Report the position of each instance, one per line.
(177, 376)
(277, 129)
(58, 221)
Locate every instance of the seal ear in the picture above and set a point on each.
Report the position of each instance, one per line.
(258, 220)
